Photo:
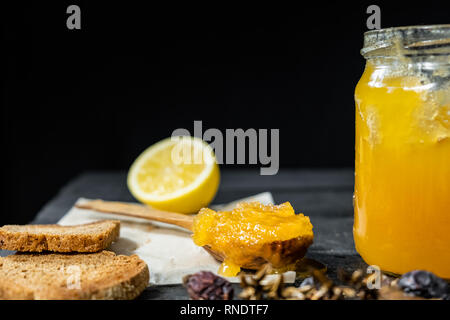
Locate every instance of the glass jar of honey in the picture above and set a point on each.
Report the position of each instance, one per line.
(402, 150)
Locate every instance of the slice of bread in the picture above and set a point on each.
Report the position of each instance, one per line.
(91, 237)
(56, 276)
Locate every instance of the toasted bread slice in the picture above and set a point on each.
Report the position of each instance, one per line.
(91, 237)
(58, 276)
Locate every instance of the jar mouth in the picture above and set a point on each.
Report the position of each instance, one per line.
(409, 40)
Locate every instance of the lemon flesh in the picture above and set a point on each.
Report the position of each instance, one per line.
(176, 174)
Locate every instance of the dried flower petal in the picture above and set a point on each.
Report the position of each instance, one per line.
(205, 285)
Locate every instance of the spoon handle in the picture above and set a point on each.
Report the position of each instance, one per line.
(139, 211)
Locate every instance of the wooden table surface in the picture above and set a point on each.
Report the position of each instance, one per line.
(324, 195)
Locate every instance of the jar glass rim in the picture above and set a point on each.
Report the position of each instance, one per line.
(408, 40)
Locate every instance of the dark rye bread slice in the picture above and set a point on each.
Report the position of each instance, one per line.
(91, 237)
(59, 276)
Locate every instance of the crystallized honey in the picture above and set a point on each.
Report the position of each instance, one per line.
(402, 167)
(254, 233)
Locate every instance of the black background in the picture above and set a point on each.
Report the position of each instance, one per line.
(93, 99)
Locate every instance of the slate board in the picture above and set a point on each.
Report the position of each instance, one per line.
(324, 195)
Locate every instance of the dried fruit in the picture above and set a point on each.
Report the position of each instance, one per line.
(316, 287)
(259, 286)
(419, 284)
(205, 285)
(307, 283)
(393, 292)
(424, 284)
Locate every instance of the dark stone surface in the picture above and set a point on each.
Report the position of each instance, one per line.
(324, 195)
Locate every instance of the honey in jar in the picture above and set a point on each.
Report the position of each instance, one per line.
(402, 159)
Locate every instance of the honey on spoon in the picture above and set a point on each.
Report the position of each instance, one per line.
(248, 236)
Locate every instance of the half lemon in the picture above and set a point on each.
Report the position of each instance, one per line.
(178, 174)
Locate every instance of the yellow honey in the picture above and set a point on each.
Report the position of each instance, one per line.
(248, 233)
(402, 171)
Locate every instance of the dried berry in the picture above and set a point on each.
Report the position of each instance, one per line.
(205, 285)
(424, 284)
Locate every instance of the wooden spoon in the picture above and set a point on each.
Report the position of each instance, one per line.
(278, 253)
(139, 211)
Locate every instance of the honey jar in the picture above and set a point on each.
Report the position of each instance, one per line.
(402, 150)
